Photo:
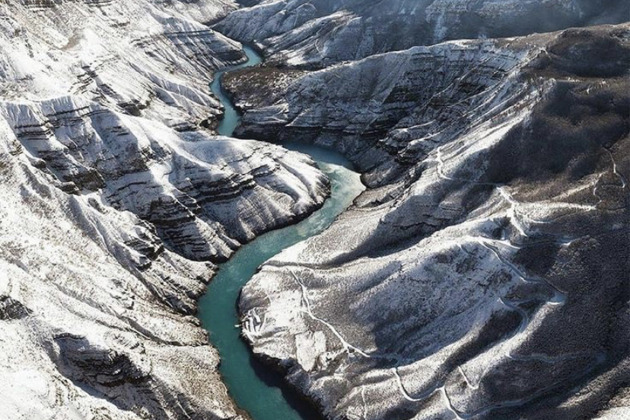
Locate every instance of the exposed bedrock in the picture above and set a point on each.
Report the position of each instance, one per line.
(485, 272)
(317, 33)
(116, 204)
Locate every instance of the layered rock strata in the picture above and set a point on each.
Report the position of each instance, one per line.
(318, 33)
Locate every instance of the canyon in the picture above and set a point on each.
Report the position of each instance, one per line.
(483, 273)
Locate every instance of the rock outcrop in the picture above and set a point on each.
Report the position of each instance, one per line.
(485, 272)
(116, 204)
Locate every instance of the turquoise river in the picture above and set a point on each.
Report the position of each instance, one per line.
(254, 387)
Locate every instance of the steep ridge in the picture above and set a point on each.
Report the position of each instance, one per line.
(86, 331)
(486, 269)
(116, 204)
(187, 185)
(317, 33)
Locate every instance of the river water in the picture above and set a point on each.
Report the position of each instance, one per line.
(254, 388)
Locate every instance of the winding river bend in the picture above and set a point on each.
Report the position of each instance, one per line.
(254, 388)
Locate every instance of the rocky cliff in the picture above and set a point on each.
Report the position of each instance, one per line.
(116, 203)
(485, 272)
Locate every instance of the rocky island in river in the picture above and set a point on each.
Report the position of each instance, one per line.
(480, 268)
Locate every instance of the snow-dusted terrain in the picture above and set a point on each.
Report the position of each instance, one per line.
(116, 203)
(485, 273)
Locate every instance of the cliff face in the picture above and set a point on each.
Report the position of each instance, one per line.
(116, 203)
(317, 33)
(485, 272)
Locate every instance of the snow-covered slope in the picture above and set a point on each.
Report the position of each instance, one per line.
(317, 33)
(87, 331)
(485, 272)
(116, 203)
(148, 57)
